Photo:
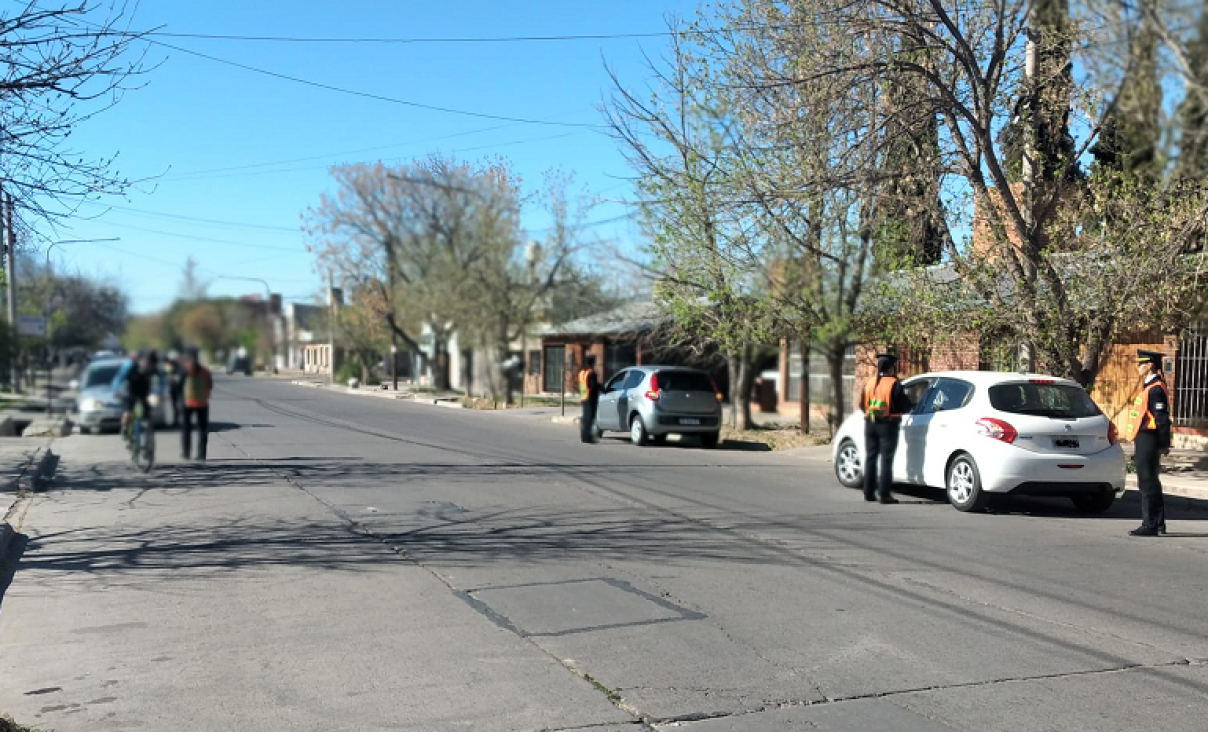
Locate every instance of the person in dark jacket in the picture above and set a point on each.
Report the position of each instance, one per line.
(1148, 427)
(589, 399)
(198, 384)
(175, 374)
(883, 402)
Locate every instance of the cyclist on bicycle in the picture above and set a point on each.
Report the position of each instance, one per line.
(139, 380)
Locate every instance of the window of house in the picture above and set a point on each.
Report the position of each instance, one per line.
(534, 363)
(619, 356)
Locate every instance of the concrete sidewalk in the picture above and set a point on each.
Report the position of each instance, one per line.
(24, 466)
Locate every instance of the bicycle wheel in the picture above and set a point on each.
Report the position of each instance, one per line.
(142, 448)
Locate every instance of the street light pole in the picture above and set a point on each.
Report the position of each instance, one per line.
(46, 306)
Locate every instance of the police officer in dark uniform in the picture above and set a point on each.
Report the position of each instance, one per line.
(589, 399)
(883, 402)
(1148, 427)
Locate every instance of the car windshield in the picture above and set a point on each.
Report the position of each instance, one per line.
(684, 381)
(101, 375)
(1045, 400)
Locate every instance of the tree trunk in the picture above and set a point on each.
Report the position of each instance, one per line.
(804, 381)
(739, 367)
(835, 357)
(440, 366)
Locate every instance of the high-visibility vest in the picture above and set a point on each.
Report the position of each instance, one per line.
(197, 388)
(1139, 416)
(583, 374)
(878, 398)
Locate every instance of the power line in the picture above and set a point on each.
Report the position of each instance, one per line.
(194, 219)
(309, 158)
(369, 95)
(417, 40)
(243, 245)
(216, 176)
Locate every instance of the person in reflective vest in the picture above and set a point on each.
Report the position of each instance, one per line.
(1148, 427)
(589, 399)
(883, 403)
(196, 391)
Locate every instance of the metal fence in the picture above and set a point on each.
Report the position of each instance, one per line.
(1191, 379)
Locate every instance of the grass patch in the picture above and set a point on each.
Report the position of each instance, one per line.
(776, 438)
(488, 404)
(613, 697)
(8, 725)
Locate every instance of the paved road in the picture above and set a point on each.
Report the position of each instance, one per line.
(354, 563)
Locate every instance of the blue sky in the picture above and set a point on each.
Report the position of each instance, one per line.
(236, 157)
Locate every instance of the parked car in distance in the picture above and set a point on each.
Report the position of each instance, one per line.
(982, 433)
(239, 364)
(99, 401)
(651, 402)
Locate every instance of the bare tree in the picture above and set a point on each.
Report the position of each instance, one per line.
(61, 63)
(678, 143)
(437, 249)
(967, 64)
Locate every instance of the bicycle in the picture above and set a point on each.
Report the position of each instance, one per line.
(140, 440)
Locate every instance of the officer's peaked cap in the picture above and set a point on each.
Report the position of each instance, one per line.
(1154, 357)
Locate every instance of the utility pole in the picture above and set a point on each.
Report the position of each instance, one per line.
(10, 271)
(331, 307)
(1027, 354)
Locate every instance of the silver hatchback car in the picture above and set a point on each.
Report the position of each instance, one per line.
(651, 402)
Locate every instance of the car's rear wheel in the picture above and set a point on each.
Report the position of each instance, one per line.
(637, 432)
(1094, 502)
(85, 430)
(848, 468)
(964, 485)
(710, 439)
(597, 430)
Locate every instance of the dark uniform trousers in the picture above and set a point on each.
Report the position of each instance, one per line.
(1145, 457)
(202, 415)
(880, 443)
(587, 420)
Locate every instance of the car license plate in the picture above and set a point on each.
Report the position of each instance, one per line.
(1066, 442)
(689, 420)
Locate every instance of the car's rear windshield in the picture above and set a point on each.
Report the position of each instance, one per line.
(1045, 400)
(101, 375)
(684, 381)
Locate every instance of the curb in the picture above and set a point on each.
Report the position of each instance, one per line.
(25, 483)
(1174, 488)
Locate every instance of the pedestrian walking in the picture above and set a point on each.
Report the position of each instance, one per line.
(589, 399)
(1148, 427)
(198, 384)
(883, 402)
(174, 371)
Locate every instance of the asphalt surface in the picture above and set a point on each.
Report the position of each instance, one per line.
(354, 563)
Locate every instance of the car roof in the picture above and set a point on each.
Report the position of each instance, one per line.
(108, 361)
(990, 378)
(648, 368)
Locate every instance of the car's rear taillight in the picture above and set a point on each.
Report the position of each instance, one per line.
(997, 429)
(1112, 435)
(653, 392)
(716, 391)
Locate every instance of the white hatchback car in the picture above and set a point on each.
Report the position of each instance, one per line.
(978, 433)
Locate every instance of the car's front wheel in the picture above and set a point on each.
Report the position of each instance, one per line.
(848, 468)
(1094, 502)
(637, 432)
(964, 485)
